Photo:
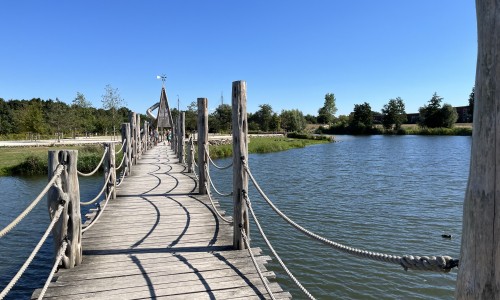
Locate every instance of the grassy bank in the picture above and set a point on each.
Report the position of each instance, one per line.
(33, 160)
(407, 129)
(269, 144)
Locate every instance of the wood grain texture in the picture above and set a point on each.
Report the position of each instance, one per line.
(160, 239)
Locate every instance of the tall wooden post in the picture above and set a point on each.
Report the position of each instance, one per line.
(127, 150)
(174, 136)
(133, 129)
(146, 136)
(69, 224)
(202, 144)
(479, 271)
(240, 152)
(190, 156)
(182, 133)
(109, 167)
(138, 136)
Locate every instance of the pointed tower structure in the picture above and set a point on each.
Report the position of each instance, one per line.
(164, 117)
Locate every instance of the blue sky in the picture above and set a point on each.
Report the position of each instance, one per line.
(291, 53)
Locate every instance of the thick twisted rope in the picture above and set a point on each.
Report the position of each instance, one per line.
(28, 261)
(215, 165)
(278, 258)
(215, 208)
(428, 263)
(121, 148)
(60, 255)
(215, 189)
(97, 168)
(99, 213)
(121, 163)
(268, 289)
(100, 193)
(123, 176)
(30, 207)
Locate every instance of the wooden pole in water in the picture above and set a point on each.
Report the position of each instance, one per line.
(479, 271)
(69, 224)
(240, 153)
(202, 144)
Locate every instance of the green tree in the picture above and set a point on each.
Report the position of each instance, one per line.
(112, 101)
(471, 106)
(293, 120)
(220, 119)
(6, 118)
(82, 109)
(361, 120)
(434, 116)
(192, 116)
(394, 114)
(59, 117)
(264, 116)
(327, 113)
(32, 118)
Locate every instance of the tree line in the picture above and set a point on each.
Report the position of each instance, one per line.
(80, 117)
(47, 117)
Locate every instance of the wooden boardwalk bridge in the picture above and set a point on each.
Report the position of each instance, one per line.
(160, 238)
(158, 233)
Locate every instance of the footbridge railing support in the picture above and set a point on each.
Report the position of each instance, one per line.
(67, 191)
(126, 137)
(202, 144)
(109, 170)
(240, 153)
(182, 132)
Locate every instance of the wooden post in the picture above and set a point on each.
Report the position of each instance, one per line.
(190, 158)
(127, 150)
(240, 152)
(202, 143)
(146, 136)
(174, 137)
(182, 133)
(479, 270)
(138, 136)
(133, 128)
(109, 167)
(69, 224)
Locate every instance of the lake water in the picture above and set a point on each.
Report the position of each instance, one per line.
(390, 194)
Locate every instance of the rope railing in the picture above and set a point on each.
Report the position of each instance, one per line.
(99, 213)
(123, 176)
(97, 168)
(28, 261)
(215, 165)
(254, 261)
(278, 258)
(215, 208)
(209, 178)
(84, 203)
(428, 263)
(121, 163)
(121, 148)
(30, 207)
(60, 255)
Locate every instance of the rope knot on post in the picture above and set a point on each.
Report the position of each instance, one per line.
(431, 263)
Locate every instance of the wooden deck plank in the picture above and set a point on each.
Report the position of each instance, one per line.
(159, 239)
